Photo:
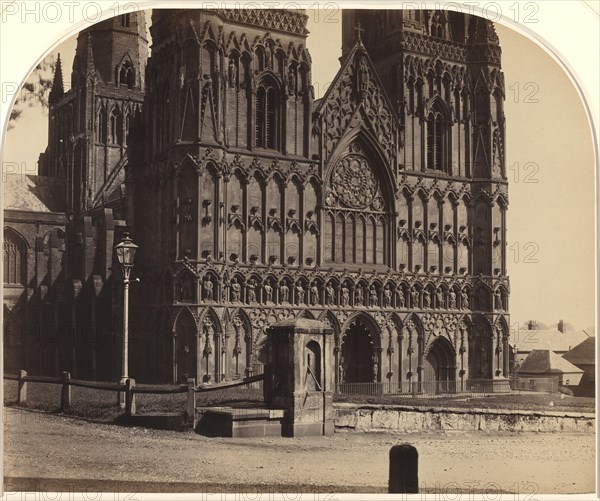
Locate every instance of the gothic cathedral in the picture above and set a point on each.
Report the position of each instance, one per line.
(379, 209)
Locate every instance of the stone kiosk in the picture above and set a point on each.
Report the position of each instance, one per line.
(299, 376)
(298, 387)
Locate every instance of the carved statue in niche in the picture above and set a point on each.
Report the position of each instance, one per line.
(345, 296)
(464, 300)
(426, 299)
(237, 348)
(235, 291)
(186, 289)
(268, 56)
(400, 298)
(362, 77)
(181, 76)
(299, 294)
(284, 293)
(330, 293)
(232, 73)
(291, 81)
(209, 332)
(439, 298)
(452, 300)
(373, 299)
(208, 288)
(224, 284)
(251, 291)
(387, 296)
(314, 291)
(375, 365)
(415, 298)
(496, 161)
(268, 292)
(498, 299)
(359, 296)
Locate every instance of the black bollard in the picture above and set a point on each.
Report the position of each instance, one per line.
(404, 470)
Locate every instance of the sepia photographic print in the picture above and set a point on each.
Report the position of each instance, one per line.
(323, 251)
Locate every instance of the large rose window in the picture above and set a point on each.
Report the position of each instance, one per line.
(354, 182)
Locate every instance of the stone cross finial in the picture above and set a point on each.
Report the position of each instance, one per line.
(359, 32)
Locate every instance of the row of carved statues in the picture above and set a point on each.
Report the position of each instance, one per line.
(254, 291)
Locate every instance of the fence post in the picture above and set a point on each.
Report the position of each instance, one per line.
(191, 401)
(65, 393)
(129, 397)
(404, 470)
(414, 386)
(22, 390)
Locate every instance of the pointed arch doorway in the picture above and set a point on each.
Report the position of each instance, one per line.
(360, 353)
(440, 367)
(185, 337)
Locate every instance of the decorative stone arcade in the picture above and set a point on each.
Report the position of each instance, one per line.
(299, 376)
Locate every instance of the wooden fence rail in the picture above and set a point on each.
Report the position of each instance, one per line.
(129, 389)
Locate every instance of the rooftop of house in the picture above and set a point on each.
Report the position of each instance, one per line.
(547, 339)
(583, 354)
(34, 193)
(547, 362)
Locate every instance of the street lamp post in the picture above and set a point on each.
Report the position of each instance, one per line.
(125, 254)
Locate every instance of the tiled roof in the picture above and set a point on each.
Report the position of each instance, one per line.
(546, 339)
(34, 193)
(584, 353)
(547, 362)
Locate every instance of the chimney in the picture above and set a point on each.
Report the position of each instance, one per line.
(532, 326)
(561, 325)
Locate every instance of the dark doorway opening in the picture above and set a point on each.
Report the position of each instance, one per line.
(358, 352)
(440, 367)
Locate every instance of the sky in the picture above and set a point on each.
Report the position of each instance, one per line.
(550, 165)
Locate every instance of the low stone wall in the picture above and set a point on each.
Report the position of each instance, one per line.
(366, 417)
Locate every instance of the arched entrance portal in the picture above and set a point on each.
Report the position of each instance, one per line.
(440, 367)
(360, 362)
(185, 336)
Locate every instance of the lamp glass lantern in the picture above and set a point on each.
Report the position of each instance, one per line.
(126, 250)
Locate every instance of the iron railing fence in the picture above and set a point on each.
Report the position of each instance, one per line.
(421, 389)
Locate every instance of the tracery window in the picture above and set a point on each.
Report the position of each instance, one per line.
(356, 221)
(127, 75)
(438, 25)
(15, 258)
(103, 126)
(116, 127)
(267, 115)
(436, 140)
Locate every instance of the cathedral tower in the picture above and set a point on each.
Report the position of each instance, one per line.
(89, 124)
(442, 71)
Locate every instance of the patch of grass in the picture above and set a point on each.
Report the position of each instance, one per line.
(524, 401)
(235, 396)
(99, 405)
(102, 406)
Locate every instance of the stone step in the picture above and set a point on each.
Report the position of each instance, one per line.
(239, 422)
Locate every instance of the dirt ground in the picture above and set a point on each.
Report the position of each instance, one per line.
(43, 451)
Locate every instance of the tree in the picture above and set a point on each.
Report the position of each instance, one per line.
(35, 90)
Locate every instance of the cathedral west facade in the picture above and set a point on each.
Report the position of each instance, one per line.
(379, 209)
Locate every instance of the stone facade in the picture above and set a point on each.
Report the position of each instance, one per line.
(379, 209)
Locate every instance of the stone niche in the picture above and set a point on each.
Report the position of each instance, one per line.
(299, 376)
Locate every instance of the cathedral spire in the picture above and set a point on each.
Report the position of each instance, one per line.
(89, 67)
(57, 91)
